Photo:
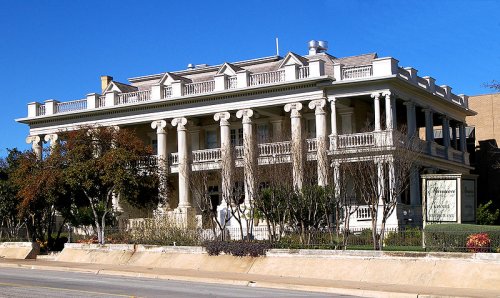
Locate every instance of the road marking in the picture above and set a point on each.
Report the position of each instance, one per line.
(64, 289)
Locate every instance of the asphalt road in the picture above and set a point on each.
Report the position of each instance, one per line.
(42, 283)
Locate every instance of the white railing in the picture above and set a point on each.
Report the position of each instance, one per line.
(101, 102)
(232, 82)
(207, 155)
(356, 140)
(278, 148)
(41, 110)
(312, 145)
(200, 87)
(363, 213)
(267, 77)
(239, 151)
(147, 161)
(173, 159)
(357, 72)
(132, 97)
(74, 105)
(167, 92)
(440, 150)
(457, 156)
(303, 72)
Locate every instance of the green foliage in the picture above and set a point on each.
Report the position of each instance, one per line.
(485, 214)
(453, 237)
(237, 248)
(407, 237)
(164, 231)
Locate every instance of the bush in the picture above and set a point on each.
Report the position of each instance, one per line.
(453, 237)
(163, 231)
(486, 216)
(237, 248)
(408, 237)
(479, 243)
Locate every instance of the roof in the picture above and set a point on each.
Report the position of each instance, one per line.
(357, 60)
(124, 88)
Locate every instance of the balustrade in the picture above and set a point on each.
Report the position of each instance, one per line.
(200, 87)
(207, 155)
(303, 72)
(173, 159)
(167, 92)
(74, 105)
(357, 72)
(132, 97)
(277, 148)
(40, 110)
(232, 82)
(267, 77)
(363, 213)
(356, 140)
(312, 145)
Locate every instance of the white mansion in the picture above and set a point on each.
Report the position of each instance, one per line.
(192, 116)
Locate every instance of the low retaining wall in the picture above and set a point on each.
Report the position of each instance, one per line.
(456, 270)
(19, 250)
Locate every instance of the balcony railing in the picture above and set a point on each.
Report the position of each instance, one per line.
(40, 111)
(200, 87)
(363, 213)
(232, 82)
(133, 97)
(267, 77)
(101, 102)
(356, 140)
(312, 145)
(173, 159)
(278, 148)
(357, 72)
(74, 105)
(207, 155)
(303, 72)
(167, 92)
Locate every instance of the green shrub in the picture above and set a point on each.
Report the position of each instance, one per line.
(485, 215)
(237, 248)
(407, 237)
(453, 237)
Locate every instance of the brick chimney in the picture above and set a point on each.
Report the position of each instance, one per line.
(105, 80)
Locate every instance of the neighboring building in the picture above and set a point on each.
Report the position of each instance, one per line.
(193, 116)
(485, 157)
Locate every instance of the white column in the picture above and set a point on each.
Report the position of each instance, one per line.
(297, 148)
(454, 135)
(336, 178)
(52, 139)
(429, 129)
(226, 156)
(376, 110)
(162, 157)
(446, 133)
(414, 186)
(249, 154)
(411, 118)
(463, 141)
(36, 145)
(184, 166)
(390, 110)
(333, 120)
(321, 140)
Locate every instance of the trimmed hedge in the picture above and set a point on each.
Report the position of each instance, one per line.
(453, 237)
(237, 248)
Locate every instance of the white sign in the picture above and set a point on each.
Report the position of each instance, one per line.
(441, 202)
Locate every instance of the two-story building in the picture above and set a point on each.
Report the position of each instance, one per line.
(330, 104)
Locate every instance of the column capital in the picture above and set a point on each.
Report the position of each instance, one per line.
(294, 108)
(318, 106)
(245, 114)
(375, 95)
(409, 102)
(180, 122)
(331, 99)
(388, 93)
(428, 110)
(223, 117)
(159, 125)
(33, 139)
(52, 138)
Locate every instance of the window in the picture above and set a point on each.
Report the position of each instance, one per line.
(262, 133)
(237, 137)
(211, 139)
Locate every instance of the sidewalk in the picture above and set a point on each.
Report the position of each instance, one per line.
(253, 280)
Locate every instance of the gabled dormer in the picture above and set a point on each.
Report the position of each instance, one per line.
(228, 69)
(119, 87)
(292, 58)
(169, 77)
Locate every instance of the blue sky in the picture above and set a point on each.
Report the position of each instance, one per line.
(59, 49)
